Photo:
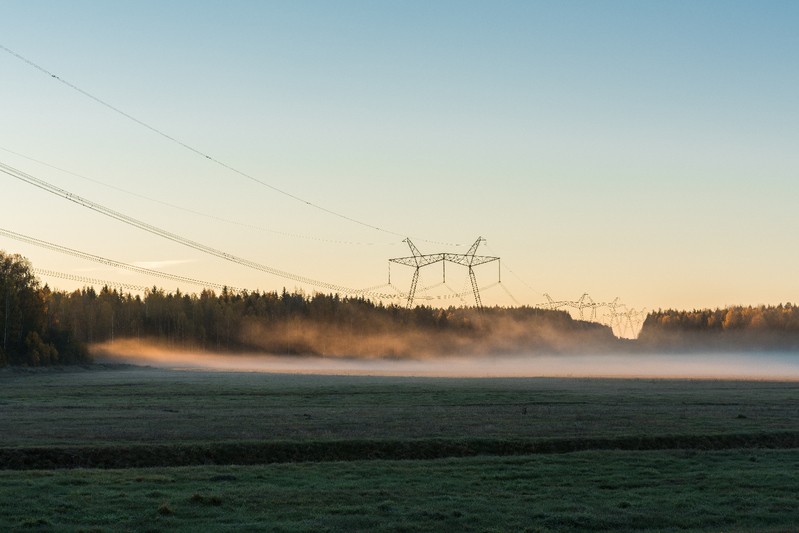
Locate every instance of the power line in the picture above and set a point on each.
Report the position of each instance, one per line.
(192, 211)
(99, 208)
(518, 277)
(580, 305)
(31, 180)
(110, 262)
(206, 155)
(142, 288)
(90, 281)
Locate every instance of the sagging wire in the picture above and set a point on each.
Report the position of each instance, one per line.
(206, 155)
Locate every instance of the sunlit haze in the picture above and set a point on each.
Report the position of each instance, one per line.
(640, 150)
(760, 366)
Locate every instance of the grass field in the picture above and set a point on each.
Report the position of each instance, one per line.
(655, 455)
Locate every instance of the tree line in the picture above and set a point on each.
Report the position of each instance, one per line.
(41, 326)
(735, 327)
(293, 323)
(44, 326)
(30, 336)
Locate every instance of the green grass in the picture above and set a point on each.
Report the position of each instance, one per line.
(644, 455)
(156, 406)
(583, 491)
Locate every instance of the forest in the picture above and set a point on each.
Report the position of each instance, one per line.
(45, 326)
(731, 328)
(41, 326)
(30, 335)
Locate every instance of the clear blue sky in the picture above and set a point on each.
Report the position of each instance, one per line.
(645, 150)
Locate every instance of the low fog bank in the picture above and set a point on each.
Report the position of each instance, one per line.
(753, 366)
(463, 343)
(462, 333)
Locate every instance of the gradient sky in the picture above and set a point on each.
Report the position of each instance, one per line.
(641, 150)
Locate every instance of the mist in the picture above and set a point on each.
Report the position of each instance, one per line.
(380, 338)
(729, 366)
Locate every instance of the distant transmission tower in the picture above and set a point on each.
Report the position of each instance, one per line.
(419, 260)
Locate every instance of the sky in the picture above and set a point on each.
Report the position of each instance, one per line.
(639, 150)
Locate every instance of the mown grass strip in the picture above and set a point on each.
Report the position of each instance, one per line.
(251, 453)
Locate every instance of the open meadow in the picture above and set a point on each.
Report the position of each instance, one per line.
(118, 448)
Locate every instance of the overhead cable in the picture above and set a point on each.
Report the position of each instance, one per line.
(198, 213)
(41, 184)
(204, 154)
(90, 281)
(110, 262)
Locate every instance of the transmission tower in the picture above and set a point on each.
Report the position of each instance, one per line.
(585, 302)
(418, 260)
(552, 304)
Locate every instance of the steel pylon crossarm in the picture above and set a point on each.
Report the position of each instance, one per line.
(469, 260)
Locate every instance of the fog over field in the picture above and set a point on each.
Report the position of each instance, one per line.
(749, 366)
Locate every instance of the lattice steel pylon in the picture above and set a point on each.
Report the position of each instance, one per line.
(419, 260)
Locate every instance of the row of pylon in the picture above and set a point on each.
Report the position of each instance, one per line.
(623, 320)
